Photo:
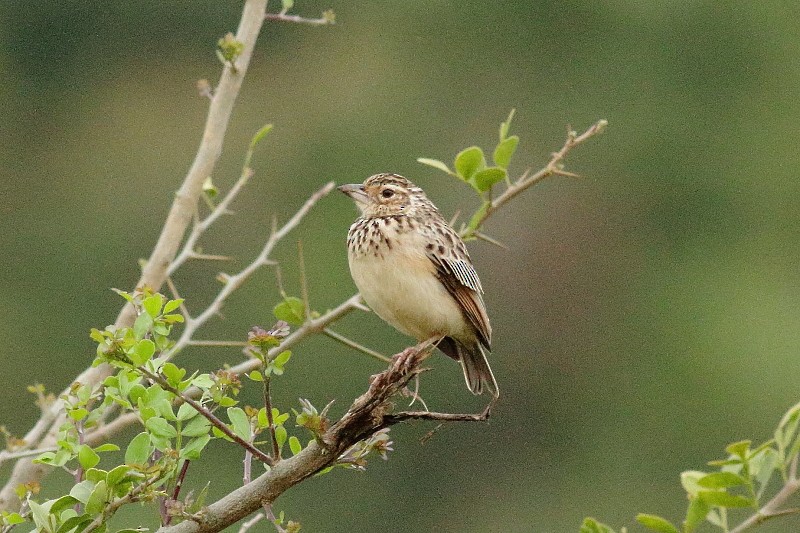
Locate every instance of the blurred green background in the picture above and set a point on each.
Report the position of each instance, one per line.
(645, 315)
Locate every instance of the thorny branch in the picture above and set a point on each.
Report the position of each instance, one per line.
(774, 507)
(527, 180)
(44, 432)
(219, 424)
(368, 414)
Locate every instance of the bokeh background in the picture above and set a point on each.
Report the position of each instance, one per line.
(645, 315)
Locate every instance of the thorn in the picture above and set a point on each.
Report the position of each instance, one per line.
(560, 172)
(455, 217)
(490, 240)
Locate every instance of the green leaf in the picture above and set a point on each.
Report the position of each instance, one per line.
(172, 305)
(142, 326)
(280, 436)
(152, 304)
(286, 5)
(241, 424)
(137, 391)
(739, 448)
(695, 514)
(484, 179)
(689, 481)
(290, 310)
(87, 457)
(139, 450)
(98, 499)
(128, 296)
(192, 450)
(40, 516)
(161, 428)
(78, 414)
(12, 519)
(469, 161)
(504, 151)
(74, 523)
(186, 412)
(173, 374)
(656, 523)
(203, 381)
(173, 318)
(117, 474)
(505, 126)
(227, 401)
(107, 447)
(142, 351)
(62, 503)
(590, 525)
(723, 499)
(282, 358)
(721, 480)
(294, 445)
(260, 134)
(95, 474)
(435, 163)
(255, 375)
(196, 427)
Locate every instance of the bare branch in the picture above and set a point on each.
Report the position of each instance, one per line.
(773, 508)
(326, 18)
(354, 345)
(234, 282)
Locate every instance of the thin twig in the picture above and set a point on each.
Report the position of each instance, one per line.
(235, 281)
(250, 523)
(219, 424)
(354, 345)
(311, 327)
(178, 485)
(276, 451)
(5, 455)
(216, 343)
(45, 432)
(282, 17)
(112, 507)
(303, 281)
(527, 180)
(772, 509)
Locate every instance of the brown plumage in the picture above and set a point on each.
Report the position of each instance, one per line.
(414, 271)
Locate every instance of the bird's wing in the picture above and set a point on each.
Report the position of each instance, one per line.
(455, 271)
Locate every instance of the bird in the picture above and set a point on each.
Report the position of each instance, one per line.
(415, 273)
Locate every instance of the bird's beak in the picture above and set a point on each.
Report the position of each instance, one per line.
(354, 191)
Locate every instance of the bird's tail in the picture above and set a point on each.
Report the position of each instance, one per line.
(477, 372)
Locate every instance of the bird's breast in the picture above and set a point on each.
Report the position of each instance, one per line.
(397, 280)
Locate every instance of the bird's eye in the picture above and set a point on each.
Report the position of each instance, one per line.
(387, 193)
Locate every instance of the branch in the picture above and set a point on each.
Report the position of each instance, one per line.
(772, 509)
(527, 180)
(312, 326)
(234, 282)
(219, 424)
(327, 17)
(45, 432)
(368, 414)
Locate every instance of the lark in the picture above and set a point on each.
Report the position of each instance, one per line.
(415, 273)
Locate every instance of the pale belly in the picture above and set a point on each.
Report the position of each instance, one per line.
(403, 290)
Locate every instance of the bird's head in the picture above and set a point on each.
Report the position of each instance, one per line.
(385, 195)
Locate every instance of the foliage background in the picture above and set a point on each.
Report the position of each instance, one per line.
(644, 317)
